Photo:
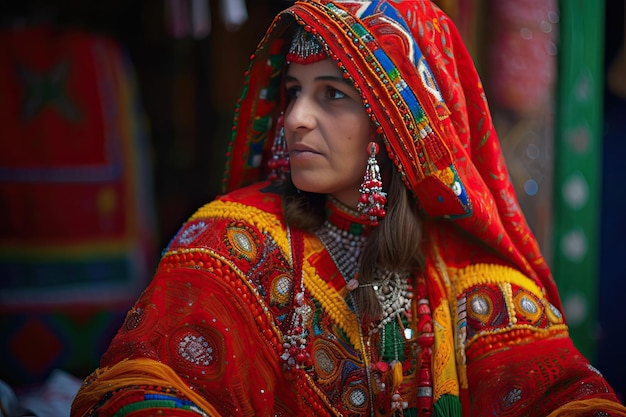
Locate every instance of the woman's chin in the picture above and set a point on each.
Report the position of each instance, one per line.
(307, 186)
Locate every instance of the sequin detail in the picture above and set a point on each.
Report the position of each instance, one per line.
(191, 232)
(512, 397)
(528, 306)
(324, 362)
(196, 350)
(358, 397)
(242, 242)
(133, 319)
(480, 305)
(281, 290)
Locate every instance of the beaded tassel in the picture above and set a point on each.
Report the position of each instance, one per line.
(295, 342)
(295, 345)
(373, 199)
(279, 163)
(425, 340)
(397, 403)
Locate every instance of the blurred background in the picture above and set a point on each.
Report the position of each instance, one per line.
(115, 116)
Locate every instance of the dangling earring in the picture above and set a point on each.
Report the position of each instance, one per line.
(373, 199)
(279, 163)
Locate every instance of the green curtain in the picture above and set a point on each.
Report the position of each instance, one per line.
(577, 168)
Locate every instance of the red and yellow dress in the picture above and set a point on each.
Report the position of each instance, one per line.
(246, 317)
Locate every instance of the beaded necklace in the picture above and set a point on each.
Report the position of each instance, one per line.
(344, 244)
(344, 236)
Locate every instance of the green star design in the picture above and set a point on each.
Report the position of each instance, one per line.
(47, 89)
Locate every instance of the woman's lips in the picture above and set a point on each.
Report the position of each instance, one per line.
(301, 150)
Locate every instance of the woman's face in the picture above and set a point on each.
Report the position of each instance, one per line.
(327, 131)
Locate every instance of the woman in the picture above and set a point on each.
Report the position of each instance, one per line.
(279, 298)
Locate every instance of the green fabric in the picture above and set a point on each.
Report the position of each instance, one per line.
(577, 167)
(447, 406)
(393, 348)
(145, 405)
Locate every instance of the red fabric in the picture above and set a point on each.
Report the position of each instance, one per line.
(219, 321)
(488, 298)
(76, 216)
(64, 149)
(537, 371)
(181, 303)
(463, 143)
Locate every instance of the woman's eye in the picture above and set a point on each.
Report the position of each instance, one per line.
(334, 94)
(293, 92)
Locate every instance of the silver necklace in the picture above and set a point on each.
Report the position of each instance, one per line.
(344, 248)
(394, 294)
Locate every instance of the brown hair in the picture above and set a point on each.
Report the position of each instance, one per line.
(393, 245)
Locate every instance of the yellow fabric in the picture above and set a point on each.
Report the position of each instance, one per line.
(446, 380)
(233, 210)
(449, 373)
(332, 301)
(580, 408)
(472, 275)
(137, 372)
(503, 276)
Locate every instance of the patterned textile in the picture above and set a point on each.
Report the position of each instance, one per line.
(484, 314)
(231, 268)
(76, 228)
(453, 164)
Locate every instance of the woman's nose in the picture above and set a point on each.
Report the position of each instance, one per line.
(299, 114)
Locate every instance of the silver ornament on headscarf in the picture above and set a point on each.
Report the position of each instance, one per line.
(305, 48)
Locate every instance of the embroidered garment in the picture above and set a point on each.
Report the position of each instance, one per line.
(246, 316)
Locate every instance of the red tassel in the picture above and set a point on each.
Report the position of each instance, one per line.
(373, 199)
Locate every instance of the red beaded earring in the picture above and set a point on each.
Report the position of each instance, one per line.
(373, 199)
(279, 163)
